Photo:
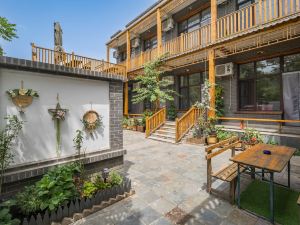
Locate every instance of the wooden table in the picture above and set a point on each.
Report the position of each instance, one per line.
(255, 158)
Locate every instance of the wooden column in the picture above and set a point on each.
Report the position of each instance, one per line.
(126, 98)
(213, 8)
(107, 53)
(212, 81)
(159, 32)
(128, 50)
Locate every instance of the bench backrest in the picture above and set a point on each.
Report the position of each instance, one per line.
(220, 147)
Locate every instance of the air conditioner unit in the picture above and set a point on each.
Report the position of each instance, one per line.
(116, 54)
(224, 70)
(136, 42)
(168, 24)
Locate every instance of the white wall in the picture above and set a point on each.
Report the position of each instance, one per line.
(38, 141)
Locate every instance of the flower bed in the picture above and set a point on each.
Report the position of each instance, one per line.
(64, 192)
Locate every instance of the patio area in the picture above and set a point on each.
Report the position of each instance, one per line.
(170, 185)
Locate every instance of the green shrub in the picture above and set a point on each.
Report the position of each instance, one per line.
(89, 189)
(5, 215)
(223, 134)
(28, 200)
(251, 136)
(171, 112)
(100, 184)
(115, 178)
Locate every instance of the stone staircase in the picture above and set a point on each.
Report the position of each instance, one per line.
(165, 133)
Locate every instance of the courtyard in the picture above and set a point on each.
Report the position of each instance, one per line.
(172, 178)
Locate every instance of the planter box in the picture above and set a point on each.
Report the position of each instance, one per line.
(132, 128)
(196, 141)
(73, 208)
(140, 129)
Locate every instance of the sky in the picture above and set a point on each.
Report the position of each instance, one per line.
(87, 24)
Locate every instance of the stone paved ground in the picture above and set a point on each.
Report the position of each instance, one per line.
(170, 187)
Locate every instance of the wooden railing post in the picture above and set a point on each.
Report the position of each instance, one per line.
(33, 52)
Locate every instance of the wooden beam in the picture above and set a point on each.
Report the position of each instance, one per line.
(107, 53)
(213, 24)
(212, 81)
(128, 50)
(126, 98)
(159, 32)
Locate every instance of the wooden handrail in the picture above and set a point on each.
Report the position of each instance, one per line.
(186, 122)
(155, 121)
(242, 121)
(46, 55)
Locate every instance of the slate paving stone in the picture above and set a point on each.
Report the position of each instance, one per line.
(162, 206)
(162, 221)
(147, 215)
(167, 176)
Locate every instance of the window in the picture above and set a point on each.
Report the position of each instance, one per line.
(190, 89)
(243, 3)
(150, 43)
(260, 86)
(194, 22)
(292, 63)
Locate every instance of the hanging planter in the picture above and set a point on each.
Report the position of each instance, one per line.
(91, 121)
(22, 97)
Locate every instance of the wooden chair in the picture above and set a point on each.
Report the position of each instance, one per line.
(228, 173)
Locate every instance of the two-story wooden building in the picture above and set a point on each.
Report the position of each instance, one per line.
(251, 48)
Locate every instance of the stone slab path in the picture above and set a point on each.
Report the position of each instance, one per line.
(170, 182)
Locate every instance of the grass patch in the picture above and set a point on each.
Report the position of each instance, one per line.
(256, 199)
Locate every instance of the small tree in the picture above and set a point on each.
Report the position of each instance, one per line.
(7, 138)
(151, 88)
(7, 31)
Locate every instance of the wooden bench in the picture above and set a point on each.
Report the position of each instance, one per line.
(229, 172)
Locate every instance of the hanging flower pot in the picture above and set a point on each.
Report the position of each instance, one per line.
(22, 97)
(91, 121)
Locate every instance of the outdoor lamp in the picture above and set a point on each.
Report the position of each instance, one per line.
(105, 174)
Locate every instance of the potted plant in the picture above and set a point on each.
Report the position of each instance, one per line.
(132, 124)
(250, 137)
(211, 131)
(125, 122)
(140, 125)
(198, 136)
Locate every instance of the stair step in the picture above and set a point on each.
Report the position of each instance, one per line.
(170, 123)
(163, 135)
(168, 129)
(164, 131)
(162, 139)
(169, 126)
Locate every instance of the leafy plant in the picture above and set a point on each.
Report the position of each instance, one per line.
(7, 31)
(7, 138)
(89, 189)
(152, 89)
(200, 126)
(27, 92)
(171, 112)
(219, 101)
(78, 141)
(132, 122)
(6, 217)
(28, 200)
(115, 178)
(223, 134)
(205, 99)
(210, 126)
(139, 122)
(100, 184)
(57, 186)
(125, 121)
(251, 137)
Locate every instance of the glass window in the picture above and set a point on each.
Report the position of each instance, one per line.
(292, 63)
(205, 17)
(150, 43)
(190, 89)
(260, 86)
(247, 71)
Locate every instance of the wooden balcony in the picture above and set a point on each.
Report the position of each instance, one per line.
(260, 15)
(50, 56)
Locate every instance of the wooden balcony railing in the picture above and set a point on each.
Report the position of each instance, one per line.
(50, 56)
(186, 122)
(155, 121)
(259, 13)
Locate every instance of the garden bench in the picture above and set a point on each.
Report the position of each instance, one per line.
(229, 172)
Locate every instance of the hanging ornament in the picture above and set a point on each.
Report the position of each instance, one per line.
(22, 97)
(91, 120)
(58, 114)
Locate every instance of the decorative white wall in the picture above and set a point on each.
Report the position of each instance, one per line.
(37, 141)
